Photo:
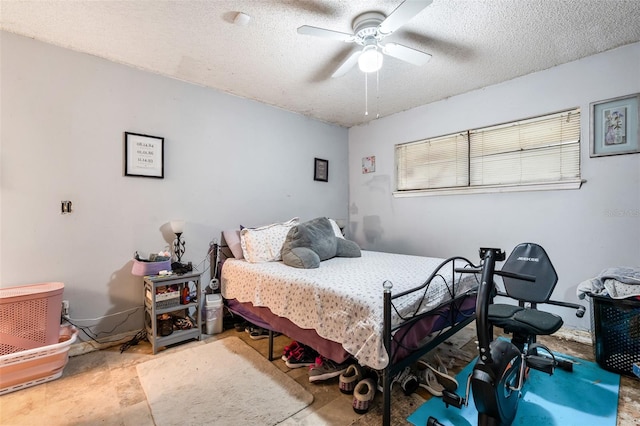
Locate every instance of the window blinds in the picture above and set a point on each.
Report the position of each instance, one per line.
(537, 150)
(542, 149)
(433, 163)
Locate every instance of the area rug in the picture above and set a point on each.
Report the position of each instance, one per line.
(587, 396)
(225, 382)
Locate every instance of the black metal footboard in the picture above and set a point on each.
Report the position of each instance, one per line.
(455, 320)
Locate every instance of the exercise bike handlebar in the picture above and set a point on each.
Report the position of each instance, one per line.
(525, 277)
(580, 310)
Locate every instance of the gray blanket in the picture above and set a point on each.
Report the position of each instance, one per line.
(618, 282)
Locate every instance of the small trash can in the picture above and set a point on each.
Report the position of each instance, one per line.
(213, 309)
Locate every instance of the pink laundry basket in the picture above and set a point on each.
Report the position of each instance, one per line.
(35, 366)
(30, 316)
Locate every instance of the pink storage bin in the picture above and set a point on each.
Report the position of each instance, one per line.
(32, 367)
(150, 268)
(30, 316)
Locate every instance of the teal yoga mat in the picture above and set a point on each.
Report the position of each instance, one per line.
(587, 396)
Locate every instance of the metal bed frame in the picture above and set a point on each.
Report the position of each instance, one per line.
(456, 321)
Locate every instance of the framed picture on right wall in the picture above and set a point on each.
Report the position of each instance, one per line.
(614, 126)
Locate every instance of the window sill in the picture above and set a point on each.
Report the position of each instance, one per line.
(486, 189)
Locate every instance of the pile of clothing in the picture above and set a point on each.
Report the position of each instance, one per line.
(620, 282)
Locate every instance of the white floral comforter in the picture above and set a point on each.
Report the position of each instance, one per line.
(343, 298)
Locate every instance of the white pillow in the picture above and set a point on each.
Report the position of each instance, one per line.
(264, 244)
(336, 228)
(232, 238)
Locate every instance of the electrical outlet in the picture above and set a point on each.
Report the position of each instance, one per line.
(65, 308)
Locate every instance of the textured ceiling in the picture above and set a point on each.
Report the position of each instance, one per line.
(474, 43)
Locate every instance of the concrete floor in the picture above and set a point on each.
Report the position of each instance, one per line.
(102, 387)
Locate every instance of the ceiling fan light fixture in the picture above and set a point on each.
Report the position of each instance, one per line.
(370, 60)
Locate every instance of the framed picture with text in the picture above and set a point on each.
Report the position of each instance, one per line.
(143, 155)
(321, 170)
(614, 126)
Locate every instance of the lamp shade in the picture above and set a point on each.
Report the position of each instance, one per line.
(370, 60)
(177, 226)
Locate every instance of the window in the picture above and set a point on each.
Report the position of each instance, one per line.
(433, 163)
(526, 154)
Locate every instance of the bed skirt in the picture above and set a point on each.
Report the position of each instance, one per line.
(405, 339)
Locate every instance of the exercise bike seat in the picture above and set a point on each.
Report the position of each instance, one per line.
(525, 318)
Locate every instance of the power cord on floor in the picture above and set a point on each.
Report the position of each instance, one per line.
(94, 336)
(87, 329)
(141, 335)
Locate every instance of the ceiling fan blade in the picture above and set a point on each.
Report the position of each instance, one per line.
(407, 54)
(321, 32)
(347, 64)
(403, 14)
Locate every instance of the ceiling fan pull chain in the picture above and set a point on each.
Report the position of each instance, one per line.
(366, 94)
(378, 94)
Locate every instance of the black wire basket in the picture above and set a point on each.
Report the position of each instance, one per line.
(615, 328)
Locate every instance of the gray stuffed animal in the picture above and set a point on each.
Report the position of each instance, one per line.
(309, 243)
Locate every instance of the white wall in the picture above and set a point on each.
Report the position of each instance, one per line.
(228, 161)
(584, 231)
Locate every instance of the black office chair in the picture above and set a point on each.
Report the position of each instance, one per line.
(524, 321)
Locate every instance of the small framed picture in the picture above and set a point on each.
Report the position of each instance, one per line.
(143, 155)
(614, 126)
(321, 170)
(369, 164)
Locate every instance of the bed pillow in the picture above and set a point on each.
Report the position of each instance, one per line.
(232, 238)
(336, 228)
(264, 244)
(309, 243)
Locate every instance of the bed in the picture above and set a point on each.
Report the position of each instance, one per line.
(383, 309)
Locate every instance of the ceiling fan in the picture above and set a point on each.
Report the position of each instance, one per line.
(369, 30)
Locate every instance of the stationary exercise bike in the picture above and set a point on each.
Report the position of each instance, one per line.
(502, 367)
